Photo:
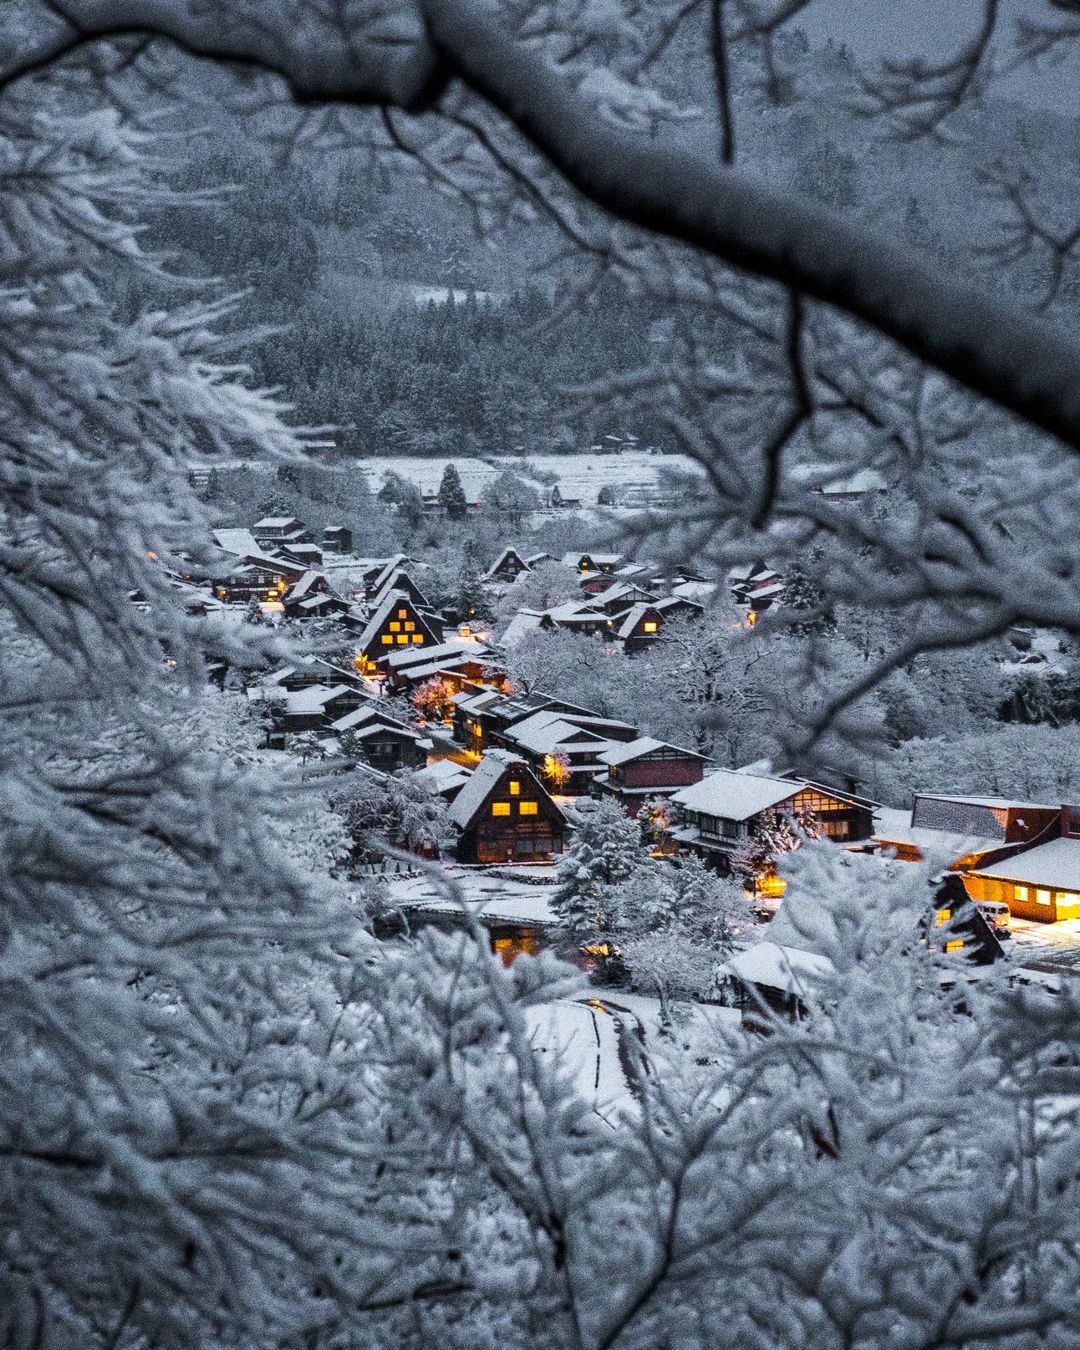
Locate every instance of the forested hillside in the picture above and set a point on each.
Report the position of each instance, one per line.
(332, 258)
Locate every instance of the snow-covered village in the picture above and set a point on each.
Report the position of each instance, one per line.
(541, 761)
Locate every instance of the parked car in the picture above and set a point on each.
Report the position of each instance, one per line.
(996, 915)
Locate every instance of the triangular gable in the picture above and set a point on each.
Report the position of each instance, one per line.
(379, 625)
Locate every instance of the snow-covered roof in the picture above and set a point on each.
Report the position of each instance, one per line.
(544, 732)
(774, 967)
(470, 701)
(525, 621)
(694, 590)
(390, 566)
(240, 542)
(448, 650)
(759, 592)
(371, 715)
(622, 590)
(444, 776)
(575, 612)
(484, 777)
(316, 696)
(1051, 866)
(735, 796)
(448, 665)
(893, 826)
(396, 581)
(309, 579)
(630, 620)
(669, 601)
(644, 745)
(276, 523)
(995, 803)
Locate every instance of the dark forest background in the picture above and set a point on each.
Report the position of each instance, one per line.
(334, 259)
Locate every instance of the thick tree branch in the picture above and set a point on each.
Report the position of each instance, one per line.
(993, 349)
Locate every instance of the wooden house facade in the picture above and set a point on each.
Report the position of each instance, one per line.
(645, 768)
(508, 566)
(639, 628)
(504, 814)
(397, 622)
(1039, 879)
(381, 740)
(726, 809)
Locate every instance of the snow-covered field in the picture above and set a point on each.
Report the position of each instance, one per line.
(579, 475)
(496, 897)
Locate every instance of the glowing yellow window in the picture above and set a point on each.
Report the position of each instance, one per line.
(1043, 897)
(955, 945)
(649, 627)
(418, 637)
(387, 640)
(402, 638)
(403, 613)
(527, 808)
(515, 787)
(1021, 894)
(500, 808)
(942, 917)
(410, 628)
(395, 628)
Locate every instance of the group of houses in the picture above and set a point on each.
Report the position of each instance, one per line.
(559, 754)
(624, 601)
(514, 768)
(1025, 855)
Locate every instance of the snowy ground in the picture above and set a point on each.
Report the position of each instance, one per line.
(591, 1036)
(1058, 942)
(578, 475)
(581, 1037)
(496, 896)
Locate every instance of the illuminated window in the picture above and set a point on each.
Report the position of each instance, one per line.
(500, 808)
(402, 637)
(649, 627)
(942, 917)
(418, 637)
(403, 613)
(395, 628)
(955, 945)
(527, 808)
(1043, 897)
(387, 640)
(515, 787)
(1022, 894)
(410, 628)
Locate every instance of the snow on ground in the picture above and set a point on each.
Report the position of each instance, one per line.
(1056, 942)
(582, 1039)
(578, 475)
(497, 897)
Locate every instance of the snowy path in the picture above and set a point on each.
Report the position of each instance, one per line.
(587, 1037)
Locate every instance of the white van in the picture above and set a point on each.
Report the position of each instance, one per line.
(997, 915)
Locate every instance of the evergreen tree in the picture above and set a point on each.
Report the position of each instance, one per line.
(399, 492)
(606, 850)
(471, 601)
(802, 595)
(452, 494)
(775, 834)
